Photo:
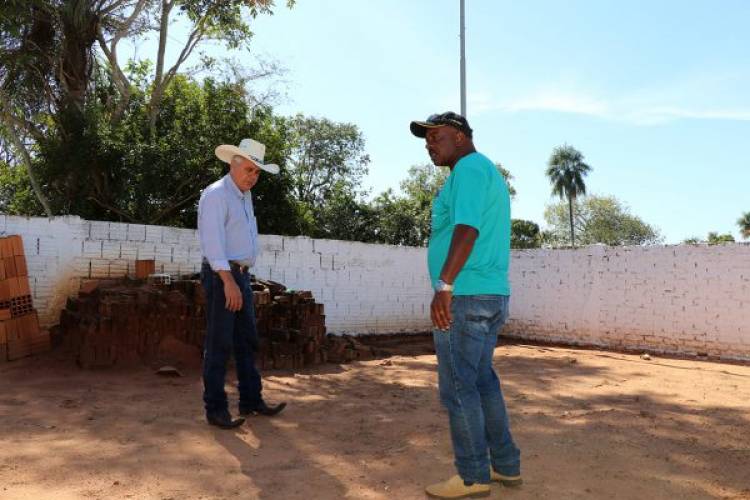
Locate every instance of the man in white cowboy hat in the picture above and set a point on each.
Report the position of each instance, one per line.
(229, 243)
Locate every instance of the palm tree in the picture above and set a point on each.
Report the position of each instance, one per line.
(566, 171)
(744, 223)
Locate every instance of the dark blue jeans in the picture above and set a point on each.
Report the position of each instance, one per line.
(229, 333)
(470, 389)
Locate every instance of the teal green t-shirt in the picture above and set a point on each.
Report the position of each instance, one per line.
(476, 195)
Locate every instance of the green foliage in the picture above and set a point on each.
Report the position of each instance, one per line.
(524, 234)
(508, 177)
(77, 114)
(16, 195)
(324, 156)
(344, 217)
(712, 238)
(598, 219)
(744, 223)
(116, 171)
(715, 238)
(566, 170)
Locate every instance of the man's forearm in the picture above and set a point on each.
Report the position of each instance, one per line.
(461, 245)
(225, 276)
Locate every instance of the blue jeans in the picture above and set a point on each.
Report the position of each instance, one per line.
(229, 333)
(470, 389)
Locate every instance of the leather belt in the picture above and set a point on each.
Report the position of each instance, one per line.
(236, 266)
(233, 266)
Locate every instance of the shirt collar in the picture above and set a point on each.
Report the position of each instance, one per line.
(232, 187)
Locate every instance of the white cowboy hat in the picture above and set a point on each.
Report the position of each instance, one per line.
(250, 149)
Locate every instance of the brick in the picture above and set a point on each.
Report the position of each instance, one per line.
(146, 251)
(92, 248)
(153, 234)
(136, 232)
(110, 250)
(20, 264)
(118, 231)
(170, 235)
(99, 268)
(99, 230)
(16, 243)
(23, 286)
(6, 248)
(19, 343)
(143, 268)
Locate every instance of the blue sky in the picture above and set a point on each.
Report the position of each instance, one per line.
(654, 94)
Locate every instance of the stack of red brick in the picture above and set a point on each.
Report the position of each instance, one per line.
(121, 322)
(20, 334)
(125, 321)
(291, 327)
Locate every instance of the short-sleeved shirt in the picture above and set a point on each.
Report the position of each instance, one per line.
(475, 194)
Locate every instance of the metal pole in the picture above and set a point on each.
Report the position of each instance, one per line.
(463, 60)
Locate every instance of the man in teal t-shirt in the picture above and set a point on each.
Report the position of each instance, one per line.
(468, 258)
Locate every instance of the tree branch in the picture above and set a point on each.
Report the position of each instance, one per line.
(174, 207)
(116, 210)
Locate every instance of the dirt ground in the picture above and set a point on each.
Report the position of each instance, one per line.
(590, 424)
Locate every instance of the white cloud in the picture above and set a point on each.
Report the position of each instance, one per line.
(643, 108)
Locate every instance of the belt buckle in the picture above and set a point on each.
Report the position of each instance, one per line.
(240, 267)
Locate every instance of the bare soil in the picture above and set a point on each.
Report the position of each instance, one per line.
(590, 424)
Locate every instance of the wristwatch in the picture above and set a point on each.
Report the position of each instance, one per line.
(442, 286)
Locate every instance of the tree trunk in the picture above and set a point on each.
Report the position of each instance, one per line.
(570, 213)
(78, 37)
(166, 7)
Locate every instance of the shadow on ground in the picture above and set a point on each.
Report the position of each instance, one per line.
(590, 425)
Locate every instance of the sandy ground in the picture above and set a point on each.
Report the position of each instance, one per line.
(591, 424)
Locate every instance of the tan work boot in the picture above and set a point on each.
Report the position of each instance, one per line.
(455, 488)
(511, 481)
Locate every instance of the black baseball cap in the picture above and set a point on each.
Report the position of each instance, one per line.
(449, 118)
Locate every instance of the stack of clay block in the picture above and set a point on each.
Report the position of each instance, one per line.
(125, 321)
(20, 335)
(291, 327)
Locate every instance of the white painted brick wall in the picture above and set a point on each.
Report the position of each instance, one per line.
(675, 299)
(679, 299)
(362, 286)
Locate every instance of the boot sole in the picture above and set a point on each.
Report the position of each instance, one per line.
(479, 494)
(510, 483)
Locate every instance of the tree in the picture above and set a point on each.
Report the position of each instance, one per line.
(744, 223)
(324, 154)
(715, 238)
(566, 170)
(508, 177)
(142, 179)
(49, 65)
(712, 238)
(344, 217)
(599, 219)
(524, 234)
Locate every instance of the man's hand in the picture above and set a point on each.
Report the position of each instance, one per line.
(232, 292)
(440, 310)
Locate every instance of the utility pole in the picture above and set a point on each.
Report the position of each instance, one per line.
(463, 59)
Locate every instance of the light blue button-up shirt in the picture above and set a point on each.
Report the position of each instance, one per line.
(226, 225)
